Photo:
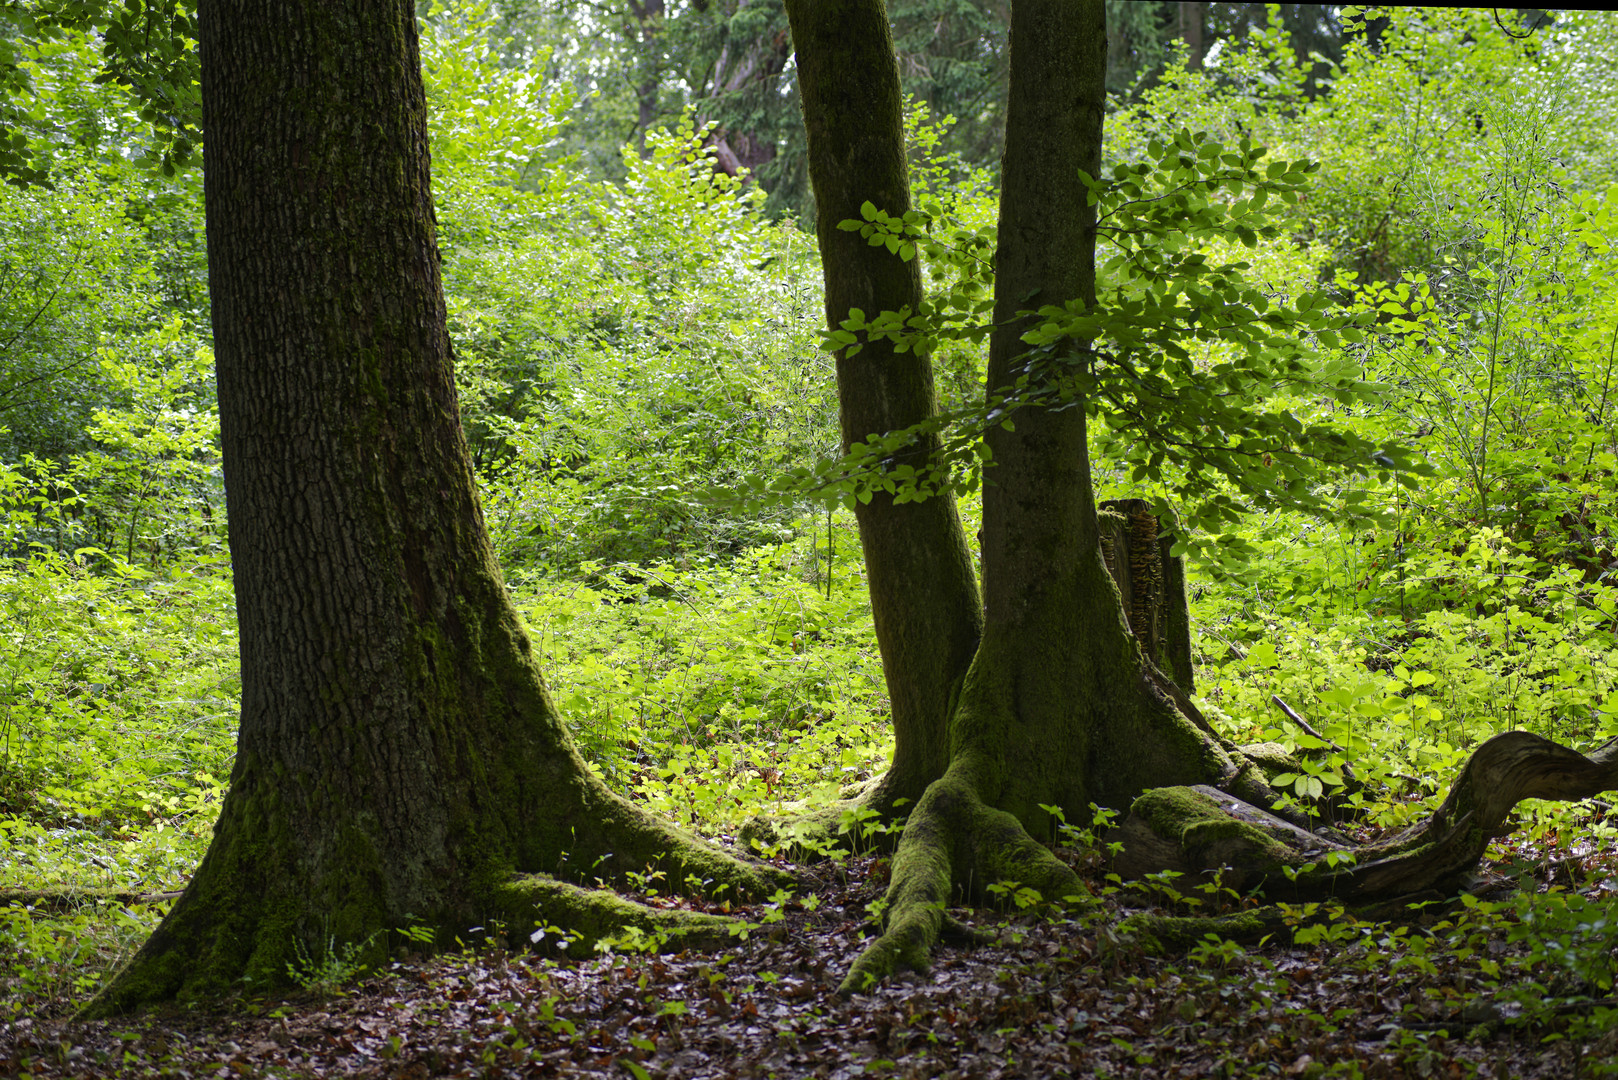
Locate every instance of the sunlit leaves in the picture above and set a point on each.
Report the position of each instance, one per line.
(1192, 369)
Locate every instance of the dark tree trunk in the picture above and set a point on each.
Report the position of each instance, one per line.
(1151, 583)
(647, 31)
(399, 759)
(1193, 18)
(924, 594)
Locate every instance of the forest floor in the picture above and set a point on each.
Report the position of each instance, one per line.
(1054, 995)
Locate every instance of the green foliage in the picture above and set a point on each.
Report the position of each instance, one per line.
(49, 962)
(117, 695)
(333, 969)
(1201, 383)
(147, 49)
(1407, 664)
(623, 348)
(716, 691)
(620, 345)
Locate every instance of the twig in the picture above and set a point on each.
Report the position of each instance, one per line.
(67, 898)
(1348, 770)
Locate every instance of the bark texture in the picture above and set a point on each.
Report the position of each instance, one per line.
(1060, 706)
(1137, 549)
(399, 759)
(924, 593)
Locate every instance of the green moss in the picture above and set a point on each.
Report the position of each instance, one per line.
(588, 916)
(1167, 811)
(1163, 935)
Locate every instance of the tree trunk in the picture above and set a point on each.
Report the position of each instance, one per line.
(1193, 17)
(744, 66)
(399, 761)
(1060, 707)
(644, 30)
(1151, 583)
(924, 594)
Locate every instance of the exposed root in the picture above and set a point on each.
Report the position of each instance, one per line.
(1162, 935)
(1205, 831)
(953, 844)
(537, 909)
(251, 912)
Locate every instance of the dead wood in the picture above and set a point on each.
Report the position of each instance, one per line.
(68, 897)
(1206, 832)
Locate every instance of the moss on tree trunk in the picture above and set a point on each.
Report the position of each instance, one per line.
(1060, 707)
(400, 760)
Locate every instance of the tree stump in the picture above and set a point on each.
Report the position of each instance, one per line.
(1136, 545)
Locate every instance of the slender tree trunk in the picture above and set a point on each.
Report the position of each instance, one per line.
(1193, 17)
(399, 759)
(924, 594)
(647, 31)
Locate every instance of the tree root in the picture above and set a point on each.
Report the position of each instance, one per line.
(1163, 935)
(1206, 832)
(953, 843)
(536, 909)
(251, 911)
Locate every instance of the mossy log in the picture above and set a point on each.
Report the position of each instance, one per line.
(1205, 832)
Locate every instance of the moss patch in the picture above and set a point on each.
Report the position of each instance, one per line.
(585, 917)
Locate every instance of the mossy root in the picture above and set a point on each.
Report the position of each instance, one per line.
(953, 844)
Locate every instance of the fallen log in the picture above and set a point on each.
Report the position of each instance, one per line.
(1203, 832)
(68, 897)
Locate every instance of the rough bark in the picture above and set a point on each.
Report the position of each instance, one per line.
(399, 761)
(1151, 582)
(924, 594)
(1060, 707)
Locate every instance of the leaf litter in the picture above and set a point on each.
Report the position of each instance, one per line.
(1053, 994)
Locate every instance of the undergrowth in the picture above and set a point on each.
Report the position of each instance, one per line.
(713, 690)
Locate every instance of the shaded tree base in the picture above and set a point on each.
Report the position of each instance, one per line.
(247, 919)
(954, 842)
(953, 838)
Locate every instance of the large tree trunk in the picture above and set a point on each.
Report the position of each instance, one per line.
(399, 760)
(924, 594)
(1060, 707)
